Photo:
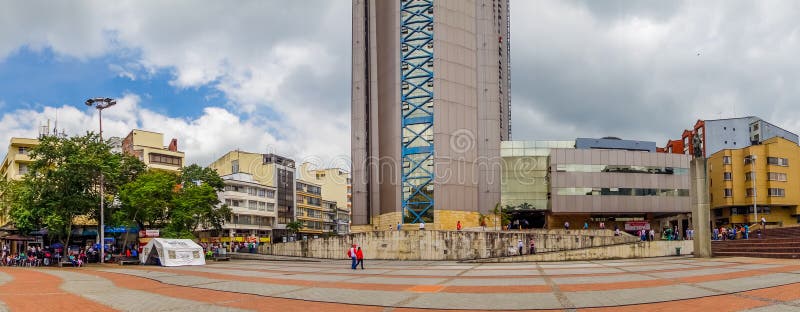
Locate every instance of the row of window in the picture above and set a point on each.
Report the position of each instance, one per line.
(777, 161)
(772, 192)
(771, 176)
(314, 201)
(602, 191)
(748, 210)
(313, 189)
(621, 168)
(251, 190)
(165, 159)
(251, 204)
(251, 220)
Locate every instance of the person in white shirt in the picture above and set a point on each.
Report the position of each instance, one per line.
(422, 225)
(519, 246)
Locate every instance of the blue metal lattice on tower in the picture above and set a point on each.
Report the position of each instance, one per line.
(416, 61)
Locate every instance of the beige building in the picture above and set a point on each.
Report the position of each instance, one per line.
(270, 170)
(430, 105)
(149, 147)
(336, 189)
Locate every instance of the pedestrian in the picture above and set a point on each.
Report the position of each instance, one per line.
(399, 226)
(532, 247)
(715, 234)
(602, 225)
(616, 231)
(566, 225)
(746, 231)
(652, 235)
(352, 255)
(458, 225)
(483, 225)
(519, 246)
(763, 224)
(585, 225)
(360, 257)
(526, 224)
(421, 225)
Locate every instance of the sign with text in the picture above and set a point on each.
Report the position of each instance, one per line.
(149, 233)
(637, 225)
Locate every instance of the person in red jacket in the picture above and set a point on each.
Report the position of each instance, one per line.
(360, 257)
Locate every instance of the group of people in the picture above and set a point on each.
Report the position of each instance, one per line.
(733, 232)
(531, 248)
(355, 254)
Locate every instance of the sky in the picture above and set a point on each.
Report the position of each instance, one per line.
(274, 76)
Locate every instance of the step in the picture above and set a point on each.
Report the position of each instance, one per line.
(778, 250)
(781, 255)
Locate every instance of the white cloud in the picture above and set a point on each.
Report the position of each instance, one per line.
(203, 139)
(282, 66)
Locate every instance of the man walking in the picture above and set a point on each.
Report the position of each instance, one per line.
(519, 246)
(352, 254)
(532, 248)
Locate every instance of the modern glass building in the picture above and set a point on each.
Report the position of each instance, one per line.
(430, 106)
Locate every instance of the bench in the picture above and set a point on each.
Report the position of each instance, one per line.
(222, 258)
(124, 262)
(64, 263)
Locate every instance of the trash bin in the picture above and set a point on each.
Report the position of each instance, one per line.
(677, 251)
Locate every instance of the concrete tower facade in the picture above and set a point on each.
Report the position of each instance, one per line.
(430, 105)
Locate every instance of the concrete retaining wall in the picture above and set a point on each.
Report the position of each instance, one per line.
(626, 251)
(444, 245)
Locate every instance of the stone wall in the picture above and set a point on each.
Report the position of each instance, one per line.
(625, 251)
(444, 245)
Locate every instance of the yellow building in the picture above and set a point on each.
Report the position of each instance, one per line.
(310, 210)
(149, 148)
(269, 170)
(336, 188)
(15, 164)
(773, 167)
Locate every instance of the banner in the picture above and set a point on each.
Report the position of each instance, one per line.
(149, 233)
(637, 225)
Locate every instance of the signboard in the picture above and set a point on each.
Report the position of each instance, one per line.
(637, 225)
(264, 239)
(149, 233)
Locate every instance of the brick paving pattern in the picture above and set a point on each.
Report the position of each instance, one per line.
(662, 284)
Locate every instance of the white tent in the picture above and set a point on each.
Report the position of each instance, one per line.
(172, 252)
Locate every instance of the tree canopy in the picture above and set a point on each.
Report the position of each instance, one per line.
(63, 182)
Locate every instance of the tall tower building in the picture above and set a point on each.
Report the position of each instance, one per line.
(430, 105)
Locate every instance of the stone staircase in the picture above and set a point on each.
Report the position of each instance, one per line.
(775, 243)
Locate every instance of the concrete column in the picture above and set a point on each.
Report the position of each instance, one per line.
(701, 208)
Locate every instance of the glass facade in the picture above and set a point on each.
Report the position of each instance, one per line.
(621, 169)
(621, 191)
(523, 179)
(416, 94)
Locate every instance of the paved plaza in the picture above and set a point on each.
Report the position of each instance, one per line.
(662, 284)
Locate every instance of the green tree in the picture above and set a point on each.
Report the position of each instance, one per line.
(177, 204)
(294, 226)
(63, 182)
(146, 199)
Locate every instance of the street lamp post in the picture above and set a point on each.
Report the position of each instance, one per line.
(101, 104)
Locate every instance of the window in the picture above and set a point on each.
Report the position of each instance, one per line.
(165, 159)
(749, 159)
(270, 207)
(750, 192)
(777, 176)
(726, 160)
(778, 161)
(270, 194)
(235, 166)
(728, 192)
(262, 192)
(23, 150)
(777, 192)
(727, 176)
(23, 169)
(749, 176)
